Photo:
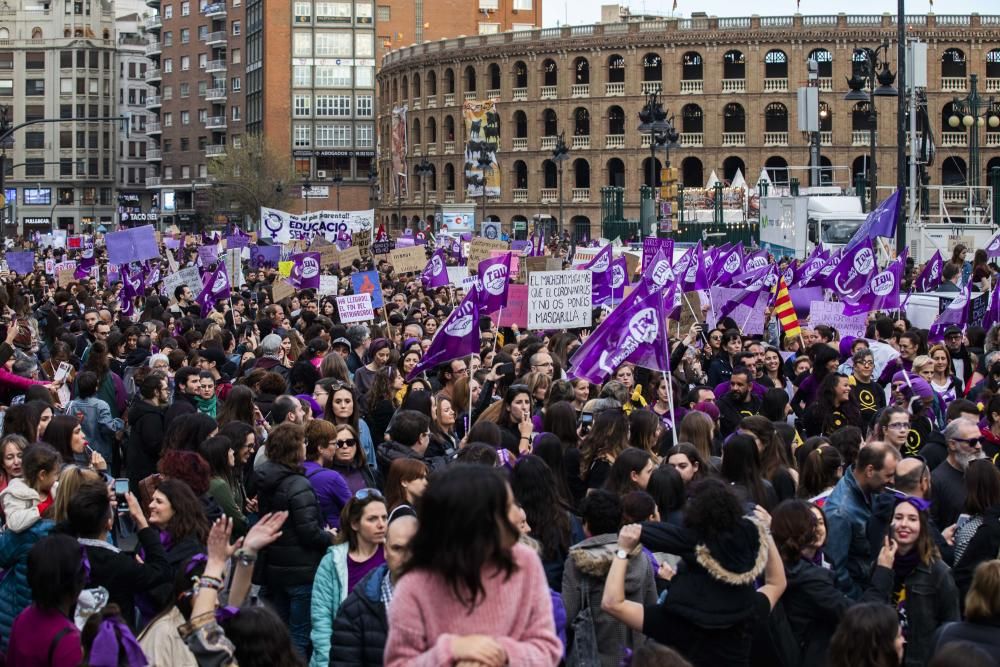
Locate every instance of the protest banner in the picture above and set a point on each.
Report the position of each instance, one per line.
(559, 299)
(281, 289)
(516, 311)
(650, 246)
(283, 227)
(355, 308)
(349, 255)
(368, 281)
(408, 260)
(457, 275)
(21, 262)
(831, 313)
(479, 249)
(234, 267)
(132, 245)
(328, 285)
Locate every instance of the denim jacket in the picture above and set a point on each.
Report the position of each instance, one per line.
(848, 548)
(98, 424)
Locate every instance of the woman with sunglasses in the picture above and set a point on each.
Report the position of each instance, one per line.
(358, 551)
(342, 409)
(350, 461)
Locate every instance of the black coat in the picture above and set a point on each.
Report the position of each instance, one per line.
(147, 424)
(163, 594)
(732, 411)
(292, 559)
(387, 452)
(183, 405)
(361, 627)
(931, 601)
(984, 545)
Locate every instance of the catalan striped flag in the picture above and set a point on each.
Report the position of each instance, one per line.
(785, 311)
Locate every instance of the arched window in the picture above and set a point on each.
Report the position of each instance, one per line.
(449, 128)
(416, 131)
(520, 74)
(493, 73)
(859, 168)
(395, 90)
(581, 173)
(405, 89)
(581, 122)
(734, 118)
(691, 119)
(692, 66)
(993, 64)
(417, 94)
(775, 64)
(860, 117)
(36, 33)
(550, 73)
(953, 171)
(581, 70)
(616, 172)
(734, 65)
(616, 121)
(4, 33)
(692, 173)
(470, 79)
(777, 169)
(520, 125)
(432, 130)
(550, 174)
(953, 63)
(776, 117)
(449, 81)
(550, 123)
(730, 166)
(449, 177)
(616, 68)
(826, 117)
(825, 61)
(657, 166)
(520, 175)
(432, 85)
(652, 67)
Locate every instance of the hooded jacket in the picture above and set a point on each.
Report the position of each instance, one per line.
(15, 594)
(392, 450)
(328, 593)
(147, 424)
(586, 569)
(20, 505)
(361, 627)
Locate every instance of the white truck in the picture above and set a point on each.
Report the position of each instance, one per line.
(792, 226)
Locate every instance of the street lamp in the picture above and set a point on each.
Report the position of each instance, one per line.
(373, 189)
(306, 189)
(966, 112)
(560, 154)
(485, 163)
(423, 169)
(337, 179)
(659, 125)
(873, 67)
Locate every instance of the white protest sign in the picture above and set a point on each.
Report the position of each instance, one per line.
(328, 285)
(355, 308)
(457, 275)
(188, 276)
(559, 299)
(831, 313)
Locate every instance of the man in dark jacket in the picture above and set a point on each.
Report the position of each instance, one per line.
(410, 433)
(361, 626)
(738, 402)
(187, 384)
(147, 424)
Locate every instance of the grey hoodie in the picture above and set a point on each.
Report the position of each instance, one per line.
(587, 565)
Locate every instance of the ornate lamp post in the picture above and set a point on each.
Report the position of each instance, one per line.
(973, 112)
(560, 154)
(424, 169)
(659, 125)
(873, 68)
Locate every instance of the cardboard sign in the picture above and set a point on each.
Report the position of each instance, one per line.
(831, 313)
(381, 247)
(584, 255)
(329, 255)
(408, 260)
(362, 241)
(515, 264)
(65, 277)
(355, 308)
(328, 285)
(349, 255)
(516, 311)
(559, 299)
(542, 264)
(480, 249)
(281, 289)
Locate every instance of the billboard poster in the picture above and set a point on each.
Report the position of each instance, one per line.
(482, 123)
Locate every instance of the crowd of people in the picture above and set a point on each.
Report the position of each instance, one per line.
(264, 485)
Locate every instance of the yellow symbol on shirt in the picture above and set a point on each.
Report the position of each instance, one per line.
(866, 399)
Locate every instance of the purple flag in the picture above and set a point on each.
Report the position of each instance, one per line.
(132, 281)
(536, 244)
(695, 276)
(619, 278)
(727, 265)
(755, 261)
(494, 274)
(305, 271)
(851, 274)
(436, 272)
(932, 275)
(85, 265)
(457, 337)
(635, 331)
(650, 246)
(992, 315)
(601, 283)
(993, 249)
(880, 222)
(881, 292)
(151, 273)
(263, 256)
(752, 284)
(601, 261)
(215, 287)
(956, 314)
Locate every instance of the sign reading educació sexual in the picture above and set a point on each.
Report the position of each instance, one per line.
(559, 299)
(282, 227)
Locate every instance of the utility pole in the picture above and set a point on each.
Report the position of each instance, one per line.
(901, 120)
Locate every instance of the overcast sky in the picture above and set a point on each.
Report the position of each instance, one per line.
(577, 12)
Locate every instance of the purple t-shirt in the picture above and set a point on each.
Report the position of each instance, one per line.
(331, 491)
(356, 571)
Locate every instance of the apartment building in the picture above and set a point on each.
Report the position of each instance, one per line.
(135, 204)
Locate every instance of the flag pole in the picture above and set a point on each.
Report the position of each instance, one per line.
(670, 389)
(499, 317)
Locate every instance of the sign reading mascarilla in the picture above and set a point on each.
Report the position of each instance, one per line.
(559, 299)
(355, 308)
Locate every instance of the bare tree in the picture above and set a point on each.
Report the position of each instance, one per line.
(248, 176)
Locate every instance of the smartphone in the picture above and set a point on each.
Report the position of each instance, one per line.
(962, 520)
(585, 422)
(505, 370)
(62, 371)
(121, 488)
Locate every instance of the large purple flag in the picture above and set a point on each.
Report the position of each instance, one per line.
(305, 271)
(435, 274)
(601, 261)
(601, 284)
(880, 222)
(215, 287)
(695, 276)
(852, 272)
(755, 261)
(752, 283)
(457, 337)
(494, 274)
(85, 265)
(881, 292)
(133, 283)
(263, 256)
(993, 249)
(932, 275)
(536, 247)
(635, 331)
(992, 315)
(956, 314)
(619, 279)
(727, 265)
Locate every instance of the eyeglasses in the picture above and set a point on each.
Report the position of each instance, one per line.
(899, 426)
(364, 494)
(545, 365)
(341, 444)
(866, 362)
(971, 442)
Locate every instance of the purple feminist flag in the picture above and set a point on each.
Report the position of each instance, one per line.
(305, 271)
(635, 331)
(265, 256)
(85, 266)
(852, 273)
(881, 291)
(727, 265)
(993, 249)
(536, 244)
(695, 277)
(755, 261)
(956, 314)
(436, 272)
(601, 282)
(752, 284)
(880, 222)
(932, 275)
(151, 273)
(494, 274)
(601, 261)
(992, 315)
(215, 287)
(619, 279)
(133, 283)
(457, 337)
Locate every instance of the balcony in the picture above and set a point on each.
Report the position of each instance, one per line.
(825, 83)
(215, 94)
(692, 86)
(153, 128)
(470, 96)
(734, 85)
(581, 142)
(614, 89)
(214, 10)
(580, 90)
(432, 101)
(449, 99)
(776, 85)
(547, 93)
(431, 149)
(548, 195)
(415, 103)
(449, 197)
(154, 155)
(692, 139)
(993, 85)
(992, 139)
(215, 150)
(215, 123)
(519, 144)
(153, 102)
(614, 141)
(154, 22)
(449, 147)
(417, 150)
(520, 94)
(651, 87)
(153, 181)
(645, 140)
(734, 138)
(953, 84)
(548, 143)
(826, 138)
(153, 74)
(581, 195)
(954, 139)
(216, 38)
(520, 195)
(776, 138)
(215, 66)
(861, 137)
(153, 48)
(493, 94)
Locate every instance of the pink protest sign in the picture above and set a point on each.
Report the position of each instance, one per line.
(516, 311)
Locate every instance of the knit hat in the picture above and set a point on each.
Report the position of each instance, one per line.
(376, 346)
(709, 408)
(270, 345)
(341, 341)
(313, 405)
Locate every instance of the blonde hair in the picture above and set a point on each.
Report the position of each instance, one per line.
(921, 361)
(70, 481)
(982, 602)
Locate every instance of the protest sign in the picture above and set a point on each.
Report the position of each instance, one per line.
(542, 264)
(831, 313)
(329, 255)
(69, 265)
(516, 311)
(457, 275)
(65, 277)
(650, 246)
(208, 254)
(362, 241)
(281, 289)
(408, 260)
(479, 249)
(282, 226)
(349, 255)
(355, 308)
(383, 247)
(50, 267)
(515, 264)
(262, 256)
(132, 245)
(328, 285)
(559, 299)
(285, 268)
(584, 255)
(188, 276)
(368, 281)
(234, 267)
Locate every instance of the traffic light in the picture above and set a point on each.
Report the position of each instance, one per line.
(668, 196)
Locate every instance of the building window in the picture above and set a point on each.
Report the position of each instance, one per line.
(384, 13)
(35, 87)
(301, 134)
(66, 87)
(338, 106)
(301, 106)
(168, 12)
(363, 106)
(342, 136)
(333, 44)
(185, 8)
(236, 28)
(185, 35)
(489, 28)
(185, 172)
(236, 85)
(34, 140)
(168, 38)
(35, 60)
(522, 5)
(365, 135)
(202, 115)
(236, 56)
(185, 118)
(302, 44)
(168, 65)
(333, 76)
(324, 135)
(364, 76)
(364, 45)
(185, 89)
(202, 60)
(301, 76)
(6, 87)
(236, 113)
(333, 12)
(363, 13)
(185, 63)
(302, 12)
(202, 33)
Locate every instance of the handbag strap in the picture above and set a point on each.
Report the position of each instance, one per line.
(55, 643)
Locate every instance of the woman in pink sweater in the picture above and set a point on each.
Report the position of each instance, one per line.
(470, 594)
